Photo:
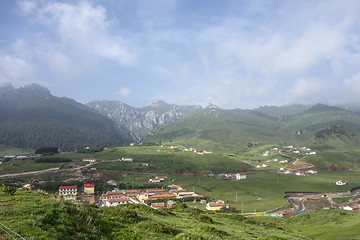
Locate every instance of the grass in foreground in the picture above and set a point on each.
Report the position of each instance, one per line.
(37, 216)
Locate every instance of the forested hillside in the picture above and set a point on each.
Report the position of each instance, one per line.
(31, 118)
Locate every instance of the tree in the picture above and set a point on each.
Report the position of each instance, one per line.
(8, 190)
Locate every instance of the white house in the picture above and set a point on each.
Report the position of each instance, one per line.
(154, 180)
(351, 208)
(312, 171)
(207, 152)
(127, 159)
(91, 160)
(115, 202)
(240, 176)
(341, 182)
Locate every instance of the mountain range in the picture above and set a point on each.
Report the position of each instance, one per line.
(141, 121)
(31, 118)
(319, 126)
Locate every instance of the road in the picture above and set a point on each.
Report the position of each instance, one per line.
(58, 169)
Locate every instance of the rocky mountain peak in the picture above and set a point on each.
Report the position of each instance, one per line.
(6, 87)
(158, 104)
(36, 88)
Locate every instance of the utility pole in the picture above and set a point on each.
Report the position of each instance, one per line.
(236, 197)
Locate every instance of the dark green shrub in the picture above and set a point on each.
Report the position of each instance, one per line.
(213, 231)
(48, 159)
(157, 227)
(205, 219)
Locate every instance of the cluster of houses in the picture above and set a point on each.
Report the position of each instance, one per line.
(20, 157)
(158, 197)
(235, 176)
(262, 165)
(293, 149)
(299, 172)
(200, 152)
(123, 159)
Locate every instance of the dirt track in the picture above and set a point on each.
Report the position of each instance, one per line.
(58, 169)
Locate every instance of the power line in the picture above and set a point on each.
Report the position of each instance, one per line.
(10, 232)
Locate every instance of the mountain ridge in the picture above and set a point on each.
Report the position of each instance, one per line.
(32, 117)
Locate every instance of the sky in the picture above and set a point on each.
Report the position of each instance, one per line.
(234, 53)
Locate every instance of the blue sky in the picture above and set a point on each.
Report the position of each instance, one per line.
(235, 54)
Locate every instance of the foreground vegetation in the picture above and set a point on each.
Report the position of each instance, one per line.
(37, 216)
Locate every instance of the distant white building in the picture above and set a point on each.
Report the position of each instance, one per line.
(115, 202)
(240, 176)
(126, 159)
(341, 182)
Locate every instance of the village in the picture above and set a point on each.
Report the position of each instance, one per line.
(154, 198)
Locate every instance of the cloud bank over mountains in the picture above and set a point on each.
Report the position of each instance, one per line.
(233, 53)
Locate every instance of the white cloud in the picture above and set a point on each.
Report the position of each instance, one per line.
(84, 30)
(26, 6)
(15, 70)
(310, 91)
(124, 92)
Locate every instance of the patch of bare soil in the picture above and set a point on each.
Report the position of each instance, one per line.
(302, 165)
(314, 204)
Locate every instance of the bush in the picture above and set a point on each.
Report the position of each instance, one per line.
(237, 217)
(188, 236)
(8, 190)
(90, 150)
(195, 212)
(205, 219)
(157, 227)
(213, 231)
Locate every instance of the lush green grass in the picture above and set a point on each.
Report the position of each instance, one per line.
(265, 191)
(10, 151)
(37, 216)
(25, 166)
(335, 160)
(324, 224)
(163, 160)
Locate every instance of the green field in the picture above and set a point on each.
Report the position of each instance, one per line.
(9, 151)
(323, 224)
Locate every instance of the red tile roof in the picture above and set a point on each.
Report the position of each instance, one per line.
(89, 185)
(216, 204)
(119, 200)
(115, 193)
(67, 187)
(162, 196)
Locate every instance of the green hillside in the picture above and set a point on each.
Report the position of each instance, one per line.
(319, 126)
(31, 118)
